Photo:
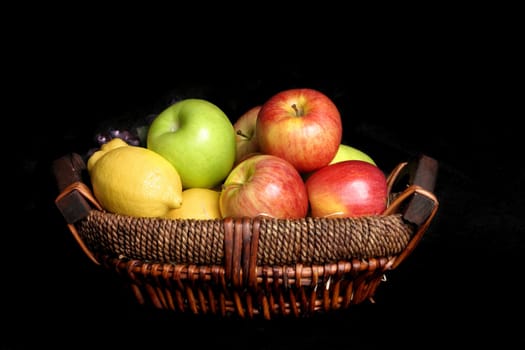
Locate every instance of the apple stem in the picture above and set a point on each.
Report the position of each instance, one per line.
(240, 133)
(298, 112)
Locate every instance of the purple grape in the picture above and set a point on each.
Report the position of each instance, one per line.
(133, 132)
(126, 135)
(102, 138)
(115, 133)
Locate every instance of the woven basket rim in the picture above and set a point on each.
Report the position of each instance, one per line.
(189, 241)
(279, 241)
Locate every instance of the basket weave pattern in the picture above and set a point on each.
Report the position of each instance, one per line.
(281, 242)
(250, 267)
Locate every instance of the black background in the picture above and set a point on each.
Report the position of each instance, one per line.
(450, 100)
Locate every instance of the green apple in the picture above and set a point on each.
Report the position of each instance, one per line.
(197, 138)
(346, 152)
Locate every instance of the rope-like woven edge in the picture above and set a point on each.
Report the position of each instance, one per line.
(281, 241)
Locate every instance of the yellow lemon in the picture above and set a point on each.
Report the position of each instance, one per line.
(134, 180)
(197, 203)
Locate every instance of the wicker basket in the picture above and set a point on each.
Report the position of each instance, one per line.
(251, 267)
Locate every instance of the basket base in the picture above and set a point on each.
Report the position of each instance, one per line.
(280, 291)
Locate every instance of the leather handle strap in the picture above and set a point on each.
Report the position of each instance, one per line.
(420, 171)
(75, 199)
(68, 170)
(417, 201)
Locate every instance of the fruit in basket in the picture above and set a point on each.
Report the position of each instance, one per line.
(347, 152)
(197, 138)
(347, 189)
(197, 203)
(264, 185)
(131, 138)
(133, 180)
(245, 134)
(302, 126)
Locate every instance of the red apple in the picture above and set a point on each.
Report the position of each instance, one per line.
(245, 134)
(264, 185)
(302, 126)
(347, 188)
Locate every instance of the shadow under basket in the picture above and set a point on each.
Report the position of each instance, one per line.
(251, 267)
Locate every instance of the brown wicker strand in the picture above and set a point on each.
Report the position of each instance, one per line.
(312, 240)
(154, 239)
(279, 242)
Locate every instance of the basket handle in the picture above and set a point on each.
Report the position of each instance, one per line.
(416, 201)
(75, 199)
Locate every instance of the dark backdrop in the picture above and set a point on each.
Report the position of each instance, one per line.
(460, 286)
